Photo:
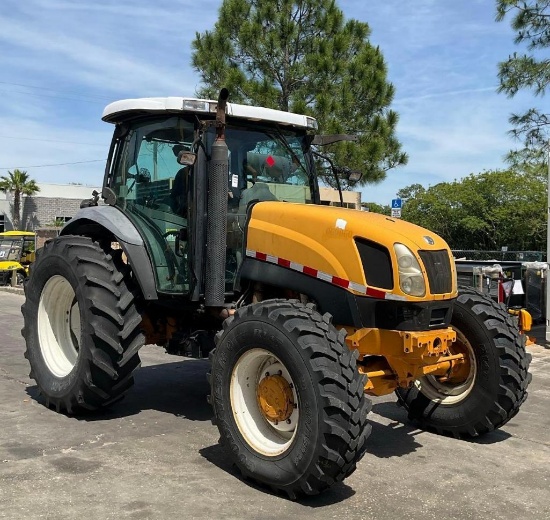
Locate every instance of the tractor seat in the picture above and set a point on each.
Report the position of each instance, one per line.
(260, 192)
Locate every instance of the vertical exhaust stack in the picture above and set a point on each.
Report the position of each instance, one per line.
(216, 225)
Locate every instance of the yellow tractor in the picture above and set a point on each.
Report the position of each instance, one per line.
(212, 242)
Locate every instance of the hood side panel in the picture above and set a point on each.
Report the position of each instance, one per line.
(323, 238)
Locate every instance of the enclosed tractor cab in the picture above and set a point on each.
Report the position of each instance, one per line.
(211, 241)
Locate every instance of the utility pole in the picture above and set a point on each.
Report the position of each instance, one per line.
(548, 250)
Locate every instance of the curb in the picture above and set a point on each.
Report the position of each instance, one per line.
(16, 290)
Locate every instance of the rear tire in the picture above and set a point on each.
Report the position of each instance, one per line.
(81, 326)
(494, 385)
(288, 400)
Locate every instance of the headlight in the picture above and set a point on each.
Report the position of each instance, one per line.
(411, 279)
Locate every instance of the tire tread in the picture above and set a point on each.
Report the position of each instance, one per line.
(110, 307)
(342, 399)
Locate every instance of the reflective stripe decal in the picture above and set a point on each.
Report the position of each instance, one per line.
(315, 273)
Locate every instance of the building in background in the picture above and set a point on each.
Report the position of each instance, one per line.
(52, 206)
(331, 197)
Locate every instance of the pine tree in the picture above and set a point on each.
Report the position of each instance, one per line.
(531, 21)
(305, 57)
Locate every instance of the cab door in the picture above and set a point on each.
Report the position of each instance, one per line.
(153, 191)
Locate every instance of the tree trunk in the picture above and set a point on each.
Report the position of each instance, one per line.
(16, 209)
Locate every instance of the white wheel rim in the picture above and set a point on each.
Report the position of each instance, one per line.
(449, 394)
(262, 435)
(58, 326)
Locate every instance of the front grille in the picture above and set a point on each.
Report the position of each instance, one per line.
(438, 267)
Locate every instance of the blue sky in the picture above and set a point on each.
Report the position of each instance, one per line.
(62, 61)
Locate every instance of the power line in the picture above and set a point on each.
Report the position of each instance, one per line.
(46, 165)
(54, 90)
(47, 140)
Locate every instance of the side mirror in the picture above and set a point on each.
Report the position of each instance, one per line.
(187, 158)
(354, 176)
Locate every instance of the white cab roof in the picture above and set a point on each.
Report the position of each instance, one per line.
(119, 110)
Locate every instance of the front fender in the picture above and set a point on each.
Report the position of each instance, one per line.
(91, 220)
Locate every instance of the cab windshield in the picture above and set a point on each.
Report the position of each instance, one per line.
(10, 249)
(266, 164)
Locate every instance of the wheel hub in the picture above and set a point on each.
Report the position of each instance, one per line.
(460, 371)
(264, 401)
(457, 385)
(59, 326)
(275, 398)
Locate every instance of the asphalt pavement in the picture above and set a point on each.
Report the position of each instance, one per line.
(155, 455)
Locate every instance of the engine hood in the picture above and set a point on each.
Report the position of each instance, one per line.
(323, 237)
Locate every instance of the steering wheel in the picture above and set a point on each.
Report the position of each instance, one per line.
(263, 172)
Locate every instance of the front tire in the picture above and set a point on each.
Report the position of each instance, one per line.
(487, 391)
(20, 280)
(81, 325)
(288, 400)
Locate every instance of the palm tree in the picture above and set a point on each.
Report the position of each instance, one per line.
(17, 183)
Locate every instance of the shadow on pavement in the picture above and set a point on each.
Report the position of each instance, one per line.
(218, 456)
(395, 439)
(490, 438)
(179, 388)
(402, 431)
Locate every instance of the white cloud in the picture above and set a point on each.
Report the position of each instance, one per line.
(128, 47)
(449, 140)
(88, 62)
(442, 58)
(401, 100)
(80, 56)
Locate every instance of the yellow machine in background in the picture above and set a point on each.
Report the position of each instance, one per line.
(17, 252)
